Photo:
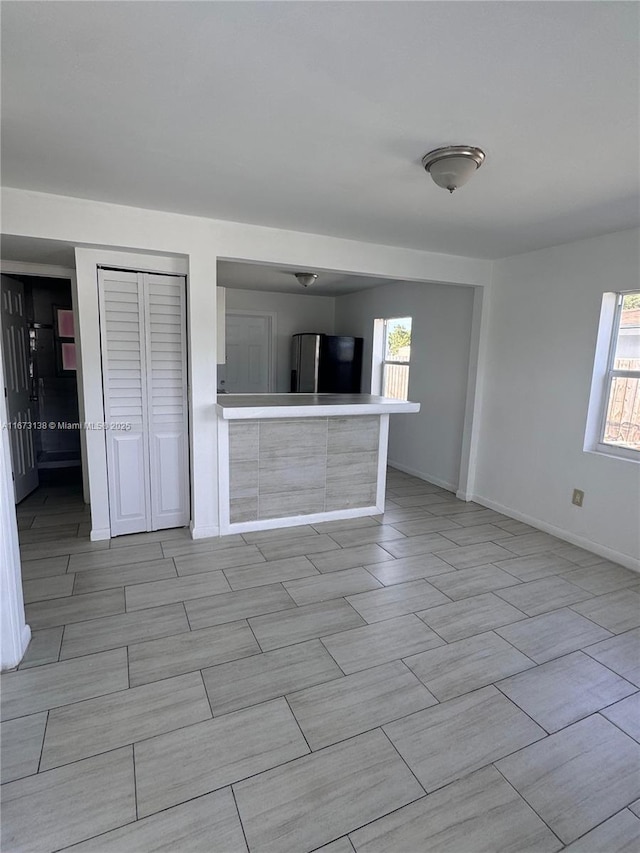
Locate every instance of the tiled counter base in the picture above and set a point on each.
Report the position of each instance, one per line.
(298, 459)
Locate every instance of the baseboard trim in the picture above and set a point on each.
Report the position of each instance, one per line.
(603, 551)
(100, 533)
(429, 478)
(204, 532)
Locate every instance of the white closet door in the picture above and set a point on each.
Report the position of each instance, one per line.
(165, 322)
(124, 376)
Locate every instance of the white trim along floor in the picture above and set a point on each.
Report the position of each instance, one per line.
(438, 678)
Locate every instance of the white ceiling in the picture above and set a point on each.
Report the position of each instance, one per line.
(314, 115)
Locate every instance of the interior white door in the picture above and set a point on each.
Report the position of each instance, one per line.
(165, 321)
(143, 339)
(15, 352)
(248, 364)
(124, 380)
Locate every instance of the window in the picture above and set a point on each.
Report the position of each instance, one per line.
(392, 354)
(621, 416)
(613, 423)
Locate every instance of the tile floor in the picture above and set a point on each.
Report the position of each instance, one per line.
(439, 678)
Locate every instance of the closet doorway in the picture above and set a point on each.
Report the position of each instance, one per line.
(143, 338)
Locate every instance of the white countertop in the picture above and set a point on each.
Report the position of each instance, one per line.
(250, 406)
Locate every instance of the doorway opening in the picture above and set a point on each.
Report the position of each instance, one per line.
(39, 356)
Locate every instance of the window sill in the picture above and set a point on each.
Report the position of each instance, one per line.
(612, 452)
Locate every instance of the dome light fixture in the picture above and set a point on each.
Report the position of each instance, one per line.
(452, 166)
(305, 278)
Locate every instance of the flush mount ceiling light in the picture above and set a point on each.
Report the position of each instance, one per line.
(452, 166)
(305, 278)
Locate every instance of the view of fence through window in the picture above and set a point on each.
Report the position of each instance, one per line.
(622, 422)
(397, 355)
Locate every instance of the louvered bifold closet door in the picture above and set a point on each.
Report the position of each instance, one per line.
(124, 372)
(165, 321)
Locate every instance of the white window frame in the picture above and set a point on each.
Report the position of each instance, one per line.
(604, 373)
(379, 361)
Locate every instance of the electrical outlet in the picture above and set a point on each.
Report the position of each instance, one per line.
(578, 497)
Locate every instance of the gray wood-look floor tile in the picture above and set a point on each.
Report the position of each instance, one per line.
(409, 569)
(465, 665)
(470, 616)
(180, 765)
(62, 548)
(468, 556)
(438, 500)
(397, 600)
(361, 648)
(333, 585)
(344, 524)
(193, 547)
(44, 534)
(366, 535)
(155, 593)
(107, 722)
(551, 635)
(617, 611)
(478, 814)
(543, 595)
(619, 834)
(466, 583)
(43, 648)
(231, 606)
(298, 547)
(342, 786)
(350, 558)
(421, 526)
(412, 545)
(275, 630)
(457, 737)
(576, 555)
(74, 608)
(241, 683)
(215, 561)
(535, 566)
(474, 534)
(110, 632)
(28, 691)
(533, 543)
(578, 777)
(635, 808)
(52, 810)
(484, 516)
(348, 706)
(626, 715)
(621, 654)
(602, 578)
(105, 559)
(193, 650)
(59, 520)
(21, 746)
(208, 823)
(517, 528)
(562, 691)
(44, 568)
(450, 505)
(43, 589)
(274, 571)
(263, 537)
(116, 576)
(342, 845)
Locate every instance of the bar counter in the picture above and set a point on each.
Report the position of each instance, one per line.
(289, 459)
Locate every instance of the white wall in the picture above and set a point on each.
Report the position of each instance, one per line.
(428, 443)
(294, 313)
(543, 322)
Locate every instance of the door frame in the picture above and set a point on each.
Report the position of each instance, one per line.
(272, 320)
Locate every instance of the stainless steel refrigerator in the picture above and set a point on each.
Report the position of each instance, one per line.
(326, 364)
